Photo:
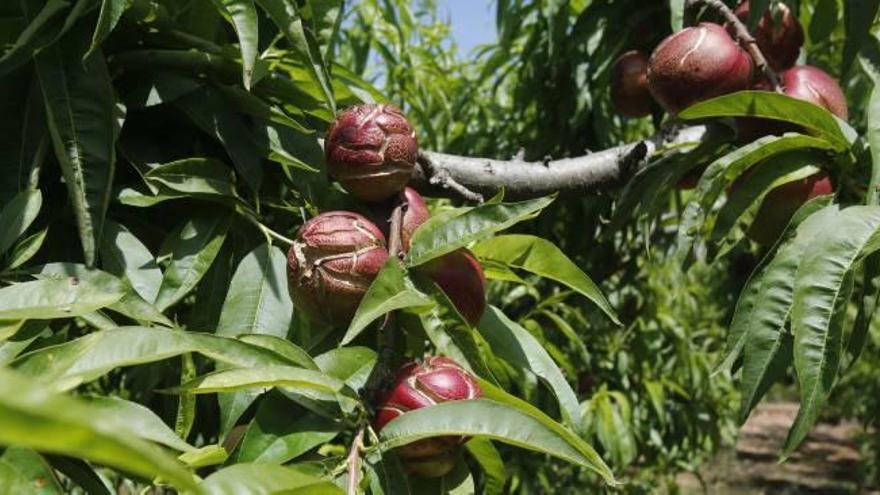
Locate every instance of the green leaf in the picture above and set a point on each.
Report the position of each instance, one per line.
(858, 16)
(125, 256)
(235, 379)
(257, 303)
(43, 29)
(111, 11)
(284, 14)
(31, 415)
(81, 473)
(390, 290)
(24, 471)
(195, 177)
(194, 245)
(519, 348)
(767, 305)
(488, 419)
(353, 365)
(274, 438)
(17, 215)
(458, 481)
(54, 298)
(92, 356)
(676, 10)
(81, 112)
(209, 455)
(243, 16)
(286, 348)
(141, 421)
(130, 304)
(822, 289)
(208, 110)
(873, 133)
(266, 479)
(441, 235)
(744, 201)
(488, 457)
(724, 170)
(543, 258)
(778, 107)
(146, 89)
(26, 249)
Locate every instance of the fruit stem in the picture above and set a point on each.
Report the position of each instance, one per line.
(745, 38)
(354, 462)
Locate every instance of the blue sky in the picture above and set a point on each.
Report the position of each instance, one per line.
(473, 21)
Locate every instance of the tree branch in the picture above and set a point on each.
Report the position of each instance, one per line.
(745, 37)
(470, 178)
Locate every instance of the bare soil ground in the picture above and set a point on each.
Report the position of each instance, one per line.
(826, 463)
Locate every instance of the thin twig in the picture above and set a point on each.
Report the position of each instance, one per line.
(354, 462)
(746, 38)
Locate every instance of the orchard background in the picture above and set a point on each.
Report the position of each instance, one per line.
(160, 156)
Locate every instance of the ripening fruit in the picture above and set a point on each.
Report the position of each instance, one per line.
(461, 277)
(695, 64)
(371, 150)
(803, 82)
(415, 214)
(816, 86)
(332, 262)
(779, 34)
(629, 85)
(781, 203)
(418, 385)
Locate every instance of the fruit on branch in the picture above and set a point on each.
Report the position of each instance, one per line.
(415, 214)
(629, 85)
(371, 150)
(417, 385)
(803, 82)
(781, 203)
(697, 63)
(332, 262)
(813, 84)
(461, 278)
(779, 34)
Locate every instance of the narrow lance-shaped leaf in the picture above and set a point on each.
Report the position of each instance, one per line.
(257, 303)
(541, 257)
(266, 479)
(17, 215)
(89, 357)
(243, 16)
(23, 470)
(31, 415)
(722, 172)
(54, 298)
(391, 290)
(193, 248)
(490, 419)
(515, 345)
(776, 106)
(823, 287)
(125, 256)
(442, 234)
(81, 112)
(111, 11)
(858, 17)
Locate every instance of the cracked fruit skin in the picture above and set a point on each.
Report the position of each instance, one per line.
(695, 64)
(781, 203)
(417, 385)
(779, 34)
(629, 85)
(371, 150)
(332, 263)
(461, 278)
